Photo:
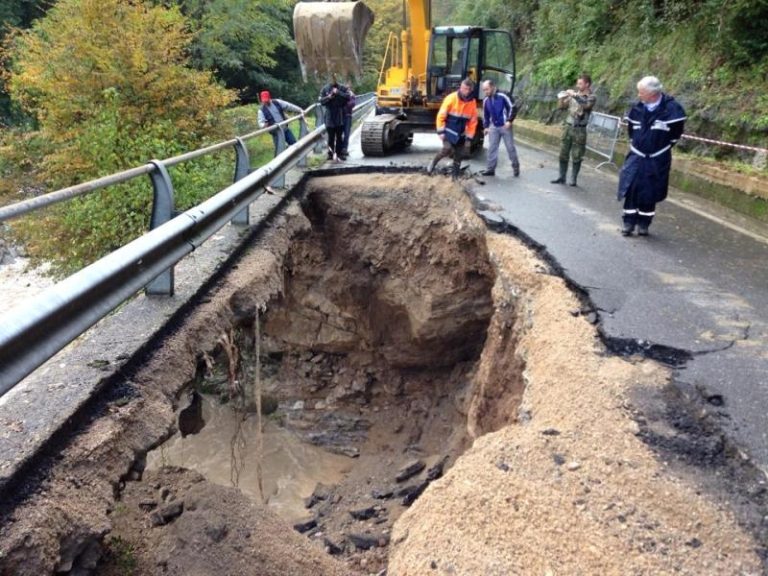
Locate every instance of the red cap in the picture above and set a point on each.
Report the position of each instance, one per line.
(264, 96)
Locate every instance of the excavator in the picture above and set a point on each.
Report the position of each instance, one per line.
(421, 65)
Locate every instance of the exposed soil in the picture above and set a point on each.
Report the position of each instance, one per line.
(407, 333)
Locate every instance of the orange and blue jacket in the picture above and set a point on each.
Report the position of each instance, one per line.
(457, 118)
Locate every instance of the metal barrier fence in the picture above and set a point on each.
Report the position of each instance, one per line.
(602, 134)
(34, 331)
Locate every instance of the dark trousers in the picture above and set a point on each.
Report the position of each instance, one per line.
(289, 137)
(456, 151)
(335, 140)
(636, 213)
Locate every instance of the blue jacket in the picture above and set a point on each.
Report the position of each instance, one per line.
(498, 109)
(652, 135)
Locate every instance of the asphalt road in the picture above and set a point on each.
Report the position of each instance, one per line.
(697, 285)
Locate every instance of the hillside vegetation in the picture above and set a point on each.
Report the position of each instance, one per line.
(711, 54)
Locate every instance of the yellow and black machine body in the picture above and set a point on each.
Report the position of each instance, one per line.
(422, 65)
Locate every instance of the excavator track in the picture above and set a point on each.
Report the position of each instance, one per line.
(374, 137)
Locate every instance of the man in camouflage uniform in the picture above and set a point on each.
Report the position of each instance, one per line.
(579, 103)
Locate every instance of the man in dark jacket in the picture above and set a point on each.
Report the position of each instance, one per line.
(334, 97)
(655, 124)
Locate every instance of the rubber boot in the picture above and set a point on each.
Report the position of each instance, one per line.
(455, 171)
(574, 173)
(563, 169)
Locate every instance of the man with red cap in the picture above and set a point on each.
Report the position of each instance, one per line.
(272, 112)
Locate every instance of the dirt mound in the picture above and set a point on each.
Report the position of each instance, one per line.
(571, 488)
(174, 522)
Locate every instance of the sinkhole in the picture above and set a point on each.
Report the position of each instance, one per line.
(389, 346)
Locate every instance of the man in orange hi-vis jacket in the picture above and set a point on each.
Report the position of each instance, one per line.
(456, 125)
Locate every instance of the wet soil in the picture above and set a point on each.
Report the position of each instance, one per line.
(406, 333)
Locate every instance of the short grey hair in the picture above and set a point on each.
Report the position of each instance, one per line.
(650, 84)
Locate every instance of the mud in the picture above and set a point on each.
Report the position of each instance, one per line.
(391, 328)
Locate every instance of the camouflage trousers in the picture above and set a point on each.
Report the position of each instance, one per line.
(573, 144)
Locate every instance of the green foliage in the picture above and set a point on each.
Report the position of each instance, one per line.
(108, 83)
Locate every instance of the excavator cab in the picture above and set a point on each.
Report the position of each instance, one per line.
(458, 52)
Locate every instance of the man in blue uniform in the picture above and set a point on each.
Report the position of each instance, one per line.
(655, 124)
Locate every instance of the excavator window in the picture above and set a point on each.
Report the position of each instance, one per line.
(499, 60)
(447, 64)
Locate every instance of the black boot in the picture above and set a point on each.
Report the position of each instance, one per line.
(574, 173)
(563, 169)
(455, 171)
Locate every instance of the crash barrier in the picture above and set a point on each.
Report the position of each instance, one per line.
(35, 330)
(602, 134)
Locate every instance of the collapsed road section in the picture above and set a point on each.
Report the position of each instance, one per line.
(477, 423)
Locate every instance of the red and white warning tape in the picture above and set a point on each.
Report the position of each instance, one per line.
(719, 142)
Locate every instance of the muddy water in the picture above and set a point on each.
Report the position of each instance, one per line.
(226, 452)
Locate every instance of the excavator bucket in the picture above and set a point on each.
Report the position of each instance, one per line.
(329, 37)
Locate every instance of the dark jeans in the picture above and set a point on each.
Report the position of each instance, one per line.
(335, 140)
(347, 130)
(289, 137)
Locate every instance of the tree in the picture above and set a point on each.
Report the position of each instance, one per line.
(109, 85)
(18, 14)
(239, 40)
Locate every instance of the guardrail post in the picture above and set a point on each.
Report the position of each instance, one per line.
(321, 146)
(303, 131)
(281, 145)
(242, 169)
(162, 212)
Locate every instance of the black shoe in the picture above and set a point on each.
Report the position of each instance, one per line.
(627, 229)
(330, 155)
(516, 172)
(558, 181)
(572, 183)
(642, 230)
(487, 172)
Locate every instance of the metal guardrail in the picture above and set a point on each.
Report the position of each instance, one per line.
(34, 331)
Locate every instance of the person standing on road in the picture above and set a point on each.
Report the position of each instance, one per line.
(349, 108)
(579, 103)
(272, 112)
(655, 124)
(456, 124)
(334, 97)
(499, 111)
